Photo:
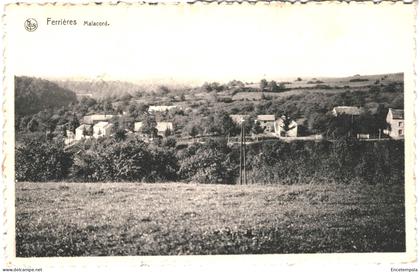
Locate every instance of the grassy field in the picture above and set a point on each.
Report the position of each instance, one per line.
(95, 219)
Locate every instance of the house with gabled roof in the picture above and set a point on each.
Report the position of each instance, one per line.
(102, 129)
(266, 121)
(83, 132)
(395, 121)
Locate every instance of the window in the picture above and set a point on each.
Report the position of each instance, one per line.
(400, 124)
(400, 132)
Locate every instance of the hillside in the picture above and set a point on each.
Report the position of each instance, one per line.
(33, 95)
(100, 89)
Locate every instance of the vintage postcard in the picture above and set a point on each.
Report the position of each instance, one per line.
(263, 134)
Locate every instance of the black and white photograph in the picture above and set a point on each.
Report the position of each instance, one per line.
(161, 130)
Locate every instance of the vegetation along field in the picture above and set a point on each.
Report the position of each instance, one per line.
(95, 219)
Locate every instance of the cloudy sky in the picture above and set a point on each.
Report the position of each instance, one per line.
(199, 43)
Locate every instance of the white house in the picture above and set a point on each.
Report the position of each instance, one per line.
(137, 126)
(81, 132)
(267, 122)
(395, 120)
(162, 127)
(281, 130)
(346, 110)
(102, 129)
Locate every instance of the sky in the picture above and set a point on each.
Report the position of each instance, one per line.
(197, 43)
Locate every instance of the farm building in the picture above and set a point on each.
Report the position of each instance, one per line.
(96, 118)
(282, 129)
(82, 132)
(238, 118)
(346, 110)
(102, 129)
(267, 122)
(395, 120)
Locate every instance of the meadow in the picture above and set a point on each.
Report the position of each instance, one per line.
(103, 219)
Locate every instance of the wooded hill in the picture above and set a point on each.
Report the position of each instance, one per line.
(33, 95)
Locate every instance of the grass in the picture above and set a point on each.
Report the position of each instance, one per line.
(96, 219)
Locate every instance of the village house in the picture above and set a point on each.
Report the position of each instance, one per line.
(283, 130)
(82, 132)
(96, 118)
(102, 129)
(238, 118)
(395, 120)
(346, 110)
(266, 122)
(161, 127)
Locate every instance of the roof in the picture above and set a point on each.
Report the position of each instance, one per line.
(347, 110)
(266, 117)
(102, 125)
(137, 126)
(397, 113)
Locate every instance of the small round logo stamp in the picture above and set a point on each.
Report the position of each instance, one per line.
(31, 25)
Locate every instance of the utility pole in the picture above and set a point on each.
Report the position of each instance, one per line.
(244, 140)
(240, 158)
(242, 155)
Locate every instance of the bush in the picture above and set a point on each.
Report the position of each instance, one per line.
(342, 161)
(41, 160)
(108, 159)
(207, 163)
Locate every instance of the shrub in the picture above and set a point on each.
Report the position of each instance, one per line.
(207, 163)
(41, 160)
(108, 159)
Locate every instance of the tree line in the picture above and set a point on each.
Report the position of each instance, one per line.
(111, 159)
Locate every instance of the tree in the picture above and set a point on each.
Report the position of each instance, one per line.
(263, 84)
(33, 125)
(149, 126)
(120, 135)
(273, 87)
(287, 124)
(23, 124)
(224, 125)
(193, 131)
(73, 124)
(256, 128)
(168, 132)
(38, 160)
(108, 108)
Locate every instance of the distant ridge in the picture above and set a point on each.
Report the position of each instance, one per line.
(34, 94)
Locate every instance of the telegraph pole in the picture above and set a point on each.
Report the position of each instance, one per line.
(244, 141)
(240, 158)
